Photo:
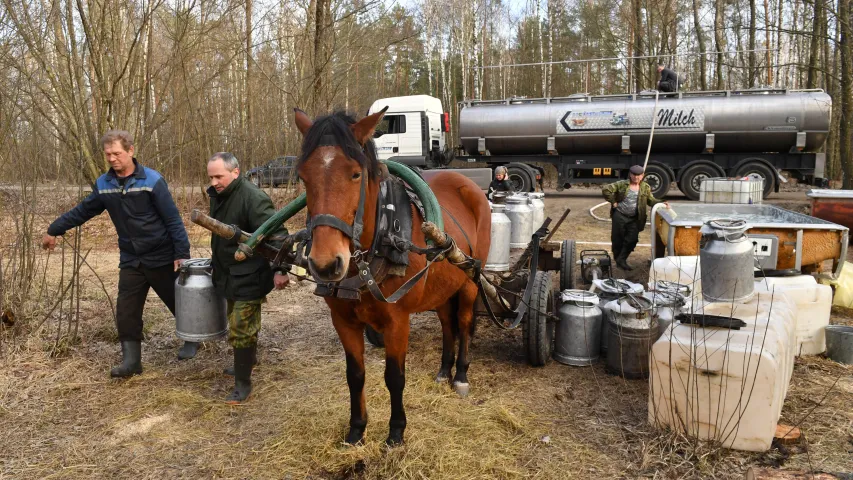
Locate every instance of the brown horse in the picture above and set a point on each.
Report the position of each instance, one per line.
(337, 154)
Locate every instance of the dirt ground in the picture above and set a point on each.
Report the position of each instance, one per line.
(63, 417)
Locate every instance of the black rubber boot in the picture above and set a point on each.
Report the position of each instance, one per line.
(623, 264)
(242, 375)
(188, 350)
(131, 362)
(230, 370)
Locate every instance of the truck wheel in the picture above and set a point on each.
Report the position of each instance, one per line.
(567, 265)
(692, 178)
(763, 171)
(520, 179)
(658, 178)
(373, 337)
(538, 330)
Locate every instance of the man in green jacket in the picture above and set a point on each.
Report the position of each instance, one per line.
(245, 285)
(628, 200)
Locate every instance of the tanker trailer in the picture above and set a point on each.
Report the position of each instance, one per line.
(596, 138)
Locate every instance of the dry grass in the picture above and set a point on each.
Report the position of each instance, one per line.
(63, 417)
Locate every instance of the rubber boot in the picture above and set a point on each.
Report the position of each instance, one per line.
(623, 264)
(230, 370)
(131, 361)
(188, 350)
(242, 375)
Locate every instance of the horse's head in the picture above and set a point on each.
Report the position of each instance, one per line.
(337, 166)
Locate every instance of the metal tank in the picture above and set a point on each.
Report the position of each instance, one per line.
(632, 332)
(538, 206)
(576, 339)
(610, 289)
(521, 216)
(498, 259)
(199, 312)
(741, 121)
(727, 261)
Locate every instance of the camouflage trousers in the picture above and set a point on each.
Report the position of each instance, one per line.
(244, 322)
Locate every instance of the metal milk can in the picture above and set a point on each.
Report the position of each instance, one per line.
(632, 332)
(666, 305)
(612, 289)
(726, 259)
(498, 259)
(538, 206)
(576, 339)
(200, 313)
(521, 216)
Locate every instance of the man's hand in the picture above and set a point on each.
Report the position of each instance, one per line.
(281, 280)
(615, 204)
(179, 262)
(666, 204)
(48, 242)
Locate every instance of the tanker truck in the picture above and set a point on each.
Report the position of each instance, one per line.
(597, 138)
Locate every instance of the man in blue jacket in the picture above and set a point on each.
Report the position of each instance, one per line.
(151, 238)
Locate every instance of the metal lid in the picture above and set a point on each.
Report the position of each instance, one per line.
(617, 285)
(579, 296)
(196, 266)
(499, 198)
(725, 229)
(671, 287)
(631, 304)
(498, 208)
(665, 299)
(517, 200)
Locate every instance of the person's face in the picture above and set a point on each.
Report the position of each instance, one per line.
(660, 69)
(500, 177)
(220, 176)
(120, 160)
(635, 179)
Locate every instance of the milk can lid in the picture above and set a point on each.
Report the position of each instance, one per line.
(617, 285)
(662, 298)
(196, 265)
(630, 305)
(579, 296)
(667, 286)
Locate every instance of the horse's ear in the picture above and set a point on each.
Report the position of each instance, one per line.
(364, 128)
(303, 123)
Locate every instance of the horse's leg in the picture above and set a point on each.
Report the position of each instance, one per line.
(352, 338)
(396, 344)
(447, 316)
(465, 314)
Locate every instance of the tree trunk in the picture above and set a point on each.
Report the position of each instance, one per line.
(845, 137)
(719, 40)
(638, 44)
(250, 130)
(767, 37)
(814, 46)
(751, 46)
(700, 39)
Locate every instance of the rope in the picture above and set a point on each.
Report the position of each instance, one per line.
(652, 133)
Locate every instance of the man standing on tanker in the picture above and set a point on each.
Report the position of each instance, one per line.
(245, 285)
(151, 238)
(628, 201)
(668, 79)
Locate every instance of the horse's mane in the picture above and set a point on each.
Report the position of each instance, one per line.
(337, 125)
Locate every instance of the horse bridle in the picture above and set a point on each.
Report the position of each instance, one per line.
(354, 230)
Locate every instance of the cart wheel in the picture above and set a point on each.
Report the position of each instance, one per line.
(373, 337)
(538, 331)
(567, 265)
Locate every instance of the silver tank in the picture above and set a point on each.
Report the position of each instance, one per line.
(199, 313)
(521, 216)
(726, 259)
(576, 339)
(538, 206)
(742, 121)
(632, 332)
(498, 259)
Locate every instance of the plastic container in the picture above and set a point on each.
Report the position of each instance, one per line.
(814, 306)
(722, 384)
(747, 190)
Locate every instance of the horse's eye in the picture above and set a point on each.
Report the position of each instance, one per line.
(356, 175)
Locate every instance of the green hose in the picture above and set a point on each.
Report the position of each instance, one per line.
(432, 209)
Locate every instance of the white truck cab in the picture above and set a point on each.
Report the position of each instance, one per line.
(412, 131)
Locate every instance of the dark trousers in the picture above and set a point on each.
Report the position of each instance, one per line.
(133, 285)
(624, 234)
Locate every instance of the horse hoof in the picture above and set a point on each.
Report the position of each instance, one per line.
(395, 439)
(355, 437)
(442, 378)
(462, 389)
